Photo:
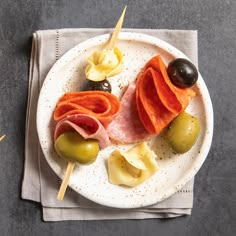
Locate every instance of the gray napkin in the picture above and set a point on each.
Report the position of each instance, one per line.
(40, 183)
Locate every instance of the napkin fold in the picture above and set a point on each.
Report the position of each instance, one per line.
(40, 183)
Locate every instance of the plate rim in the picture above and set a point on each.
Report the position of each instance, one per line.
(144, 38)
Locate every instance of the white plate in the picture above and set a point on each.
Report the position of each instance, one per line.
(92, 181)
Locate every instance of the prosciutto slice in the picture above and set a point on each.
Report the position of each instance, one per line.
(127, 127)
(87, 126)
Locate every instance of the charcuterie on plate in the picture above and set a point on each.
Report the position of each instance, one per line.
(174, 169)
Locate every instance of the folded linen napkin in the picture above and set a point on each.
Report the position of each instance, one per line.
(40, 183)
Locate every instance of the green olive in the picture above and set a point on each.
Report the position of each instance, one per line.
(73, 147)
(183, 132)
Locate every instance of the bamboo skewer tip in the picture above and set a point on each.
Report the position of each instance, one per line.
(64, 184)
(115, 34)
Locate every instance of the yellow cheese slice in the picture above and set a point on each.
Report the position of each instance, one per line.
(133, 167)
(104, 64)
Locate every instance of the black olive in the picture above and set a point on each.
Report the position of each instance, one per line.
(103, 85)
(182, 73)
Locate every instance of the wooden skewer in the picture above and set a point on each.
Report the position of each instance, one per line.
(2, 137)
(116, 32)
(70, 166)
(65, 181)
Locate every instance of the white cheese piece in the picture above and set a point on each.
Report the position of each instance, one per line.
(133, 167)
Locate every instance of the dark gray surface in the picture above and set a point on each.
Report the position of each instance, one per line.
(214, 211)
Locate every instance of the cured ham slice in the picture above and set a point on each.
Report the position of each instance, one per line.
(102, 105)
(127, 127)
(158, 100)
(87, 126)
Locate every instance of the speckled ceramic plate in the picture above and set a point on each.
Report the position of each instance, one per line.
(92, 181)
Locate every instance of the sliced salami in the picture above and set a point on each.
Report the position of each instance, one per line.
(153, 114)
(158, 100)
(127, 127)
(87, 126)
(102, 105)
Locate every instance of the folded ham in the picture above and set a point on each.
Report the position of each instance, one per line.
(127, 127)
(87, 126)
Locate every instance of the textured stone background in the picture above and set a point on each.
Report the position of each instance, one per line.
(214, 210)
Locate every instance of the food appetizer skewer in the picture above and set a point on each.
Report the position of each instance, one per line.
(71, 145)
